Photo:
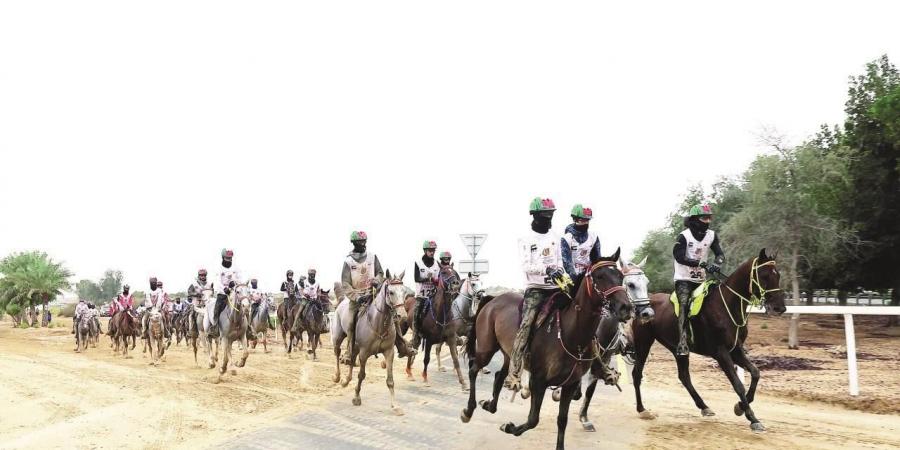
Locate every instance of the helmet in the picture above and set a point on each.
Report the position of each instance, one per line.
(311, 271)
(253, 280)
(429, 245)
(201, 273)
(358, 236)
(701, 210)
(290, 273)
(538, 204)
(581, 212)
(446, 255)
(227, 254)
(153, 280)
(159, 283)
(126, 287)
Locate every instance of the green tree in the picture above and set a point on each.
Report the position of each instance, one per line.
(88, 290)
(872, 135)
(31, 279)
(110, 285)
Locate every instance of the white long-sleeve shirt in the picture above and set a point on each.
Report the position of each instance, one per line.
(226, 276)
(538, 252)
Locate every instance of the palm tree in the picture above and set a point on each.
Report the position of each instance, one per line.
(30, 279)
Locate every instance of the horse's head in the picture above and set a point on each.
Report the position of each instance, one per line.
(473, 289)
(765, 282)
(637, 287)
(241, 297)
(449, 281)
(394, 292)
(604, 284)
(324, 300)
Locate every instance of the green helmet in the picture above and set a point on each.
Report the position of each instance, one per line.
(429, 245)
(701, 210)
(581, 212)
(541, 204)
(358, 236)
(446, 255)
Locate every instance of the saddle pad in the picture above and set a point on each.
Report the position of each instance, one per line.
(697, 297)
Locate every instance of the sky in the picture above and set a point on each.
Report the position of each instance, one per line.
(147, 136)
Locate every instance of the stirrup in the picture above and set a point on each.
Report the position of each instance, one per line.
(513, 382)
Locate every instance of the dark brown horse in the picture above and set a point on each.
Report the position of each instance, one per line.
(718, 331)
(286, 323)
(314, 322)
(441, 323)
(124, 326)
(558, 358)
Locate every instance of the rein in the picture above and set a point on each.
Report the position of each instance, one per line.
(754, 300)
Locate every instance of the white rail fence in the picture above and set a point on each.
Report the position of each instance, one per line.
(849, 333)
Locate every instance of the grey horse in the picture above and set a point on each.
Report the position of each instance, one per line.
(232, 322)
(259, 325)
(84, 331)
(156, 332)
(375, 333)
(196, 331)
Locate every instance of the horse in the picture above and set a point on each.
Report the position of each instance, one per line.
(375, 333)
(123, 326)
(441, 322)
(180, 326)
(718, 331)
(608, 340)
(233, 322)
(83, 332)
(259, 325)
(196, 333)
(314, 322)
(557, 358)
(286, 323)
(156, 331)
(466, 303)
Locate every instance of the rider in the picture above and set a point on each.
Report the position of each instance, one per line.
(542, 262)
(80, 308)
(290, 289)
(445, 262)
(229, 277)
(195, 290)
(150, 300)
(123, 302)
(309, 292)
(165, 307)
(691, 249)
(579, 246)
(360, 274)
(425, 275)
(256, 296)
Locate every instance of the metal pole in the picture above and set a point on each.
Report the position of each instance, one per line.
(851, 354)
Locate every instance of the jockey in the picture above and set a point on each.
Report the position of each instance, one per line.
(122, 302)
(361, 273)
(179, 307)
(195, 290)
(80, 309)
(164, 304)
(256, 296)
(309, 291)
(445, 262)
(290, 289)
(543, 265)
(579, 246)
(690, 252)
(150, 300)
(425, 274)
(229, 277)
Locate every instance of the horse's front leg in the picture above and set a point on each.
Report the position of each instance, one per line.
(727, 364)
(389, 359)
(563, 418)
(363, 357)
(246, 350)
(226, 354)
(538, 389)
(740, 358)
(454, 354)
(588, 395)
(437, 355)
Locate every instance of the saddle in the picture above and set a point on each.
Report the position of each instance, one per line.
(557, 301)
(697, 298)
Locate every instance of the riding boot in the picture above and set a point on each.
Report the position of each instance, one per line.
(683, 291)
(403, 349)
(533, 300)
(416, 322)
(145, 328)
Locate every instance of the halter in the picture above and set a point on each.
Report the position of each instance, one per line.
(387, 317)
(754, 300)
(604, 295)
(632, 273)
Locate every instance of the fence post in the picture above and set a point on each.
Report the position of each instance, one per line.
(851, 354)
(793, 341)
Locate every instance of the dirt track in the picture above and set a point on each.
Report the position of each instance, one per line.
(51, 397)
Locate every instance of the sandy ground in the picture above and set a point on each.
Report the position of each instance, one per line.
(51, 397)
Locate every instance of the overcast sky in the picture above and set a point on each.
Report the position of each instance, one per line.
(146, 136)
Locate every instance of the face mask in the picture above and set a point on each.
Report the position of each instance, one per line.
(581, 228)
(253, 285)
(312, 279)
(226, 264)
(359, 246)
(541, 223)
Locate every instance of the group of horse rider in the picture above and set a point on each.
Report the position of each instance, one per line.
(552, 263)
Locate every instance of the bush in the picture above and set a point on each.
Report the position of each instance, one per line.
(24, 325)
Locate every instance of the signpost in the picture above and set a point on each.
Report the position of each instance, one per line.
(473, 243)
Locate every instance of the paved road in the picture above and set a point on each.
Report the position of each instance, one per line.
(431, 420)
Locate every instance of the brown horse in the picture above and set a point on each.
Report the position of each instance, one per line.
(314, 322)
(440, 323)
(123, 326)
(286, 324)
(557, 358)
(717, 331)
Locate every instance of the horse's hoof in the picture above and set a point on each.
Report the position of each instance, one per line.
(487, 406)
(335, 379)
(577, 395)
(442, 369)
(233, 372)
(706, 412)
(345, 382)
(485, 371)
(397, 411)
(464, 388)
(357, 401)
(384, 364)
(211, 366)
(508, 427)
(464, 417)
(738, 411)
(588, 426)
(648, 415)
(556, 395)
(525, 393)
(758, 427)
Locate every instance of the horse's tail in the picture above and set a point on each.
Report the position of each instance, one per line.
(470, 337)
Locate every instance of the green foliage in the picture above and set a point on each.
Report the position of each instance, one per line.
(102, 291)
(30, 279)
